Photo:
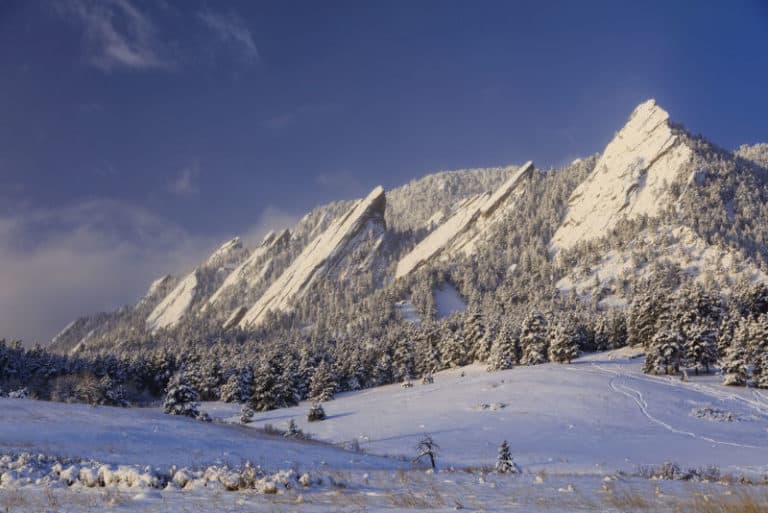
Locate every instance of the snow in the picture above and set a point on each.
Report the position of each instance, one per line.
(228, 251)
(173, 307)
(679, 245)
(461, 231)
(179, 301)
(581, 434)
(252, 269)
(157, 285)
(145, 436)
(448, 300)
(319, 254)
(599, 414)
(630, 179)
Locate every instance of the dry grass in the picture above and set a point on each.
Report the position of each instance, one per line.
(742, 501)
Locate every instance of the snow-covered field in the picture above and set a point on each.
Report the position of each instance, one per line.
(581, 433)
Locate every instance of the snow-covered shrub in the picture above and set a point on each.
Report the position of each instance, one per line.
(21, 393)
(316, 413)
(246, 414)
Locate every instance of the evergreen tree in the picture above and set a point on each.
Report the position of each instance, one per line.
(477, 336)
(563, 346)
(504, 463)
(316, 413)
(757, 347)
(664, 352)
(246, 414)
(238, 386)
(642, 318)
(734, 365)
(181, 398)
(323, 385)
(505, 348)
(533, 339)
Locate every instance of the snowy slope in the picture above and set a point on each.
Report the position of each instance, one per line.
(598, 414)
(318, 256)
(145, 436)
(471, 220)
(190, 289)
(630, 179)
(706, 263)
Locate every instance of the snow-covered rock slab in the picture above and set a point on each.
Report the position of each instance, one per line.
(251, 268)
(318, 256)
(468, 224)
(186, 293)
(630, 179)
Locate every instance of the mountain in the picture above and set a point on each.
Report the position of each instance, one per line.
(630, 179)
(362, 226)
(466, 226)
(194, 288)
(657, 204)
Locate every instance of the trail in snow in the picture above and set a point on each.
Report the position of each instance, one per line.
(637, 397)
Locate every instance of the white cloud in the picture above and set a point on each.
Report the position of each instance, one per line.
(231, 30)
(185, 184)
(344, 182)
(61, 264)
(117, 34)
(271, 218)
(94, 256)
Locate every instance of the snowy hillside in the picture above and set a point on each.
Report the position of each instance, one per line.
(596, 415)
(596, 435)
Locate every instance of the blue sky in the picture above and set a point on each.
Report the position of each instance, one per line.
(134, 135)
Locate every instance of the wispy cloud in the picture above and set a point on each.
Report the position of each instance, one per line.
(185, 183)
(117, 35)
(59, 264)
(232, 30)
(342, 181)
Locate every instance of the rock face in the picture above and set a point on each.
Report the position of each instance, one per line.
(629, 180)
(319, 257)
(192, 288)
(251, 269)
(469, 224)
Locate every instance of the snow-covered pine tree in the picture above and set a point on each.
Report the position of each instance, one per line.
(734, 365)
(453, 348)
(563, 346)
(181, 398)
(700, 345)
(238, 386)
(316, 413)
(246, 414)
(323, 384)
(505, 348)
(642, 318)
(477, 336)
(757, 347)
(505, 463)
(664, 352)
(533, 339)
(403, 361)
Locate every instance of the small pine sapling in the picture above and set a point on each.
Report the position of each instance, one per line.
(246, 414)
(504, 463)
(316, 413)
